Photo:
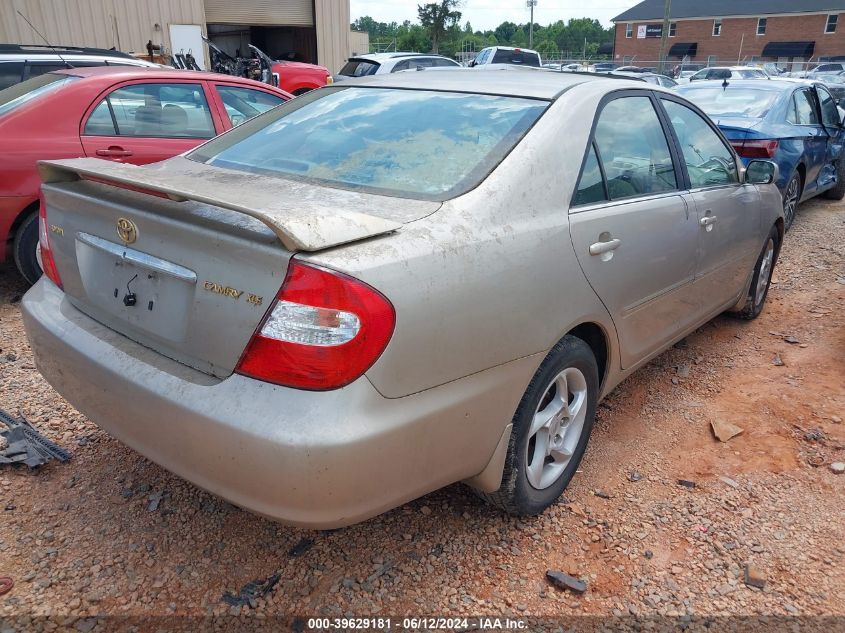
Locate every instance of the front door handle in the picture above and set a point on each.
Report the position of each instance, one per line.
(114, 152)
(600, 248)
(707, 220)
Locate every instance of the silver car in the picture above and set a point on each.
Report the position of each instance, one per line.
(384, 287)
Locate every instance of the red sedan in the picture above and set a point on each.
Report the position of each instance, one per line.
(131, 115)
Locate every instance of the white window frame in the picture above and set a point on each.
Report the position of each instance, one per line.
(717, 28)
(673, 29)
(629, 30)
(827, 30)
(764, 23)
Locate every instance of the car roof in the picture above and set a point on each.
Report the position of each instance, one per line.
(381, 57)
(131, 72)
(514, 48)
(774, 84)
(534, 83)
(31, 50)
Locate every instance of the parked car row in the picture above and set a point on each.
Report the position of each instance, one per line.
(384, 286)
(120, 113)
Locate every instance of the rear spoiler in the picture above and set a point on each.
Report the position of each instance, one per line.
(302, 220)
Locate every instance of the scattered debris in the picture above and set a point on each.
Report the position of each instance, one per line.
(300, 548)
(728, 481)
(6, 584)
(601, 494)
(791, 340)
(725, 431)
(755, 577)
(682, 371)
(25, 445)
(648, 554)
(777, 361)
(837, 468)
(251, 591)
(814, 435)
(155, 500)
(565, 581)
(635, 476)
(686, 483)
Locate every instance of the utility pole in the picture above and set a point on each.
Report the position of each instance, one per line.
(531, 4)
(664, 34)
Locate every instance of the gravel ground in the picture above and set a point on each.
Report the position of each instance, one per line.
(110, 533)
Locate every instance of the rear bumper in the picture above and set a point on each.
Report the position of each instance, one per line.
(319, 460)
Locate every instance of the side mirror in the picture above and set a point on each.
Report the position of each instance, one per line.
(761, 172)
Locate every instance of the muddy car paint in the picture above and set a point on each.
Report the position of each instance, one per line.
(483, 287)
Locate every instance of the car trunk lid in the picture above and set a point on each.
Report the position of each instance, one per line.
(184, 258)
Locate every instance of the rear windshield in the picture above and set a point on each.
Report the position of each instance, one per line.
(524, 58)
(359, 68)
(24, 92)
(408, 143)
(717, 101)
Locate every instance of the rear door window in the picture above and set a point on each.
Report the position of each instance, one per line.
(441, 62)
(244, 103)
(177, 110)
(11, 73)
(709, 161)
(830, 113)
(634, 150)
(804, 109)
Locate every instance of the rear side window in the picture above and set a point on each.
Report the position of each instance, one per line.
(523, 58)
(11, 73)
(421, 144)
(31, 89)
(359, 68)
(445, 63)
(591, 186)
(154, 110)
(709, 161)
(633, 149)
(718, 73)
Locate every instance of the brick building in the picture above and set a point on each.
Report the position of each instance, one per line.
(728, 32)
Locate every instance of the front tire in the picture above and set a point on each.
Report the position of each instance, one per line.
(25, 249)
(551, 428)
(791, 196)
(762, 278)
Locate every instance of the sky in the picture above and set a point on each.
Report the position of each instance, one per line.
(488, 14)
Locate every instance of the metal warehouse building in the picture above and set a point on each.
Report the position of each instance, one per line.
(314, 31)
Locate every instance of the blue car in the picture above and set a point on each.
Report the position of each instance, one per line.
(795, 123)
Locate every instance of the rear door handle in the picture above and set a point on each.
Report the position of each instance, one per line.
(114, 152)
(600, 248)
(707, 220)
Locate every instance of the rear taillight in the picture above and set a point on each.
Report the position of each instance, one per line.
(324, 330)
(752, 148)
(48, 264)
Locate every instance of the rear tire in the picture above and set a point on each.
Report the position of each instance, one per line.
(25, 249)
(838, 190)
(791, 197)
(762, 278)
(543, 456)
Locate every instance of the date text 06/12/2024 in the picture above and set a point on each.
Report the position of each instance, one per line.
(417, 624)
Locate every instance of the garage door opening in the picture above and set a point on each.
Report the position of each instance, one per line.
(286, 43)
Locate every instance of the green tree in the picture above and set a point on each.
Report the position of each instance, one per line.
(547, 48)
(504, 32)
(437, 18)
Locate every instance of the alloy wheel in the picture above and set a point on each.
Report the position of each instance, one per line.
(790, 200)
(556, 428)
(765, 272)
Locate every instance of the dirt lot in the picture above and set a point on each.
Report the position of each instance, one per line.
(87, 537)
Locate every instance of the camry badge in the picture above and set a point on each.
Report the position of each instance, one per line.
(127, 231)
